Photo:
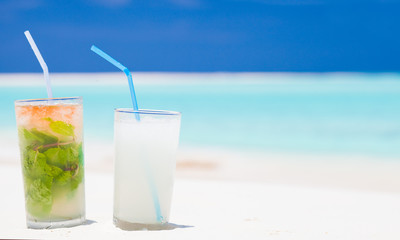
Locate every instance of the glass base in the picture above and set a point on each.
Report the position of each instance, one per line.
(128, 226)
(55, 224)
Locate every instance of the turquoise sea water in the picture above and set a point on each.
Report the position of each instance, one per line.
(316, 115)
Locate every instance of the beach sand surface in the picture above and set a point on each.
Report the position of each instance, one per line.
(222, 209)
(221, 194)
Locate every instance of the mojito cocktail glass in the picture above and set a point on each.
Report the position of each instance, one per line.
(146, 143)
(50, 137)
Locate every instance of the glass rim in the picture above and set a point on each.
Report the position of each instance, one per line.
(47, 99)
(147, 111)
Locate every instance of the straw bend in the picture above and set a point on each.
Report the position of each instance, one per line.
(125, 70)
(41, 61)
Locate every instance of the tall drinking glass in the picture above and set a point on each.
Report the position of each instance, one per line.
(146, 142)
(50, 137)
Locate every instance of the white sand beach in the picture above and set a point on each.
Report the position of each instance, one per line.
(218, 196)
(220, 209)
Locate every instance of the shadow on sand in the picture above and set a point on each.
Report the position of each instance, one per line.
(89, 222)
(147, 227)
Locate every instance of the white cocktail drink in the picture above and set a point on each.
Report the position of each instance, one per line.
(145, 152)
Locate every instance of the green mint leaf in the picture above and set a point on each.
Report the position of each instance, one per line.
(34, 164)
(46, 138)
(68, 158)
(53, 171)
(30, 137)
(63, 178)
(74, 153)
(38, 198)
(35, 138)
(80, 151)
(28, 162)
(57, 157)
(77, 178)
(62, 128)
(73, 156)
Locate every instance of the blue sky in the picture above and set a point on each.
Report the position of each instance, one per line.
(202, 35)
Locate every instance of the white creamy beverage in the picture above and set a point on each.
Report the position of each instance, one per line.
(145, 152)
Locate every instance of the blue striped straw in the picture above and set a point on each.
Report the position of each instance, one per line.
(125, 70)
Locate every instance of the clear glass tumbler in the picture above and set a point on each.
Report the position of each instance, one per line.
(50, 137)
(146, 143)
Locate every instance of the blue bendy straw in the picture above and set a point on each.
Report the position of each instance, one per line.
(135, 107)
(125, 70)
